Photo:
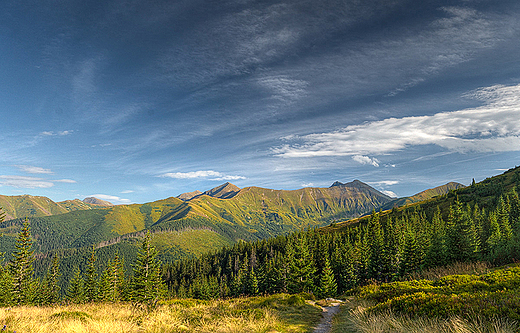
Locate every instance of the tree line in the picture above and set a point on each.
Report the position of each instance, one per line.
(386, 246)
(383, 247)
(18, 285)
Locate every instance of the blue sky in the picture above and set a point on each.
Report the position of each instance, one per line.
(135, 101)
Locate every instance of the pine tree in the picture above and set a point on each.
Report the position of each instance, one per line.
(50, 290)
(301, 265)
(76, 290)
(378, 256)
(91, 278)
(117, 278)
(21, 267)
(436, 253)
(105, 286)
(252, 283)
(327, 285)
(147, 284)
(6, 284)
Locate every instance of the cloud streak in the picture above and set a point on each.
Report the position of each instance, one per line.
(493, 127)
(33, 169)
(24, 182)
(213, 175)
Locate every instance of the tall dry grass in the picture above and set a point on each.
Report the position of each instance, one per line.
(233, 316)
(477, 268)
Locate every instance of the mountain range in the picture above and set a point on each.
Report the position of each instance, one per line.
(194, 222)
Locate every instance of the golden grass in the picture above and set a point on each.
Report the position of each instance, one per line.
(477, 268)
(259, 314)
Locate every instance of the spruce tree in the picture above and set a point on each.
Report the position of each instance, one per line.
(105, 291)
(50, 291)
(252, 283)
(116, 278)
(6, 284)
(327, 285)
(21, 267)
(147, 285)
(91, 278)
(436, 253)
(76, 290)
(301, 265)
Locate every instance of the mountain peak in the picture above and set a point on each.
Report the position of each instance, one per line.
(97, 202)
(336, 183)
(189, 195)
(224, 191)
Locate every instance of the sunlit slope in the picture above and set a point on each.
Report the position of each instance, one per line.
(252, 213)
(22, 206)
(424, 195)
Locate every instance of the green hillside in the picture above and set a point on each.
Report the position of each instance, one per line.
(476, 223)
(221, 216)
(424, 195)
(21, 206)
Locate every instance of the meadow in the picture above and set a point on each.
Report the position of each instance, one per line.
(277, 313)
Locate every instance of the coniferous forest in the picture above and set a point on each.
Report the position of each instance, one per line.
(479, 223)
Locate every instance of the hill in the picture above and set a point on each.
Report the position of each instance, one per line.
(424, 195)
(480, 222)
(218, 217)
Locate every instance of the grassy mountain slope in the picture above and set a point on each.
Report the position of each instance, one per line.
(21, 206)
(485, 193)
(424, 195)
(186, 228)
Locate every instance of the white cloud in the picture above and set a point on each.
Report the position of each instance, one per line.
(127, 191)
(201, 174)
(307, 184)
(493, 127)
(24, 182)
(366, 160)
(112, 198)
(33, 169)
(389, 193)
(68, 181)
(59, 133)
(384, 183)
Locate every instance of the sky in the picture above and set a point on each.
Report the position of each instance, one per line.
(134, 101)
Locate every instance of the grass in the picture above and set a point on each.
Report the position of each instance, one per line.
(474, 299)
(278, 313)
(355, 317)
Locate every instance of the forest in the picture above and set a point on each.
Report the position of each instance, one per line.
(479, 223)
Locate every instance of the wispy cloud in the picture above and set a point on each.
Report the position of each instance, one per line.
(33, 169)
(24, 182)
(53, 133)
(366, 160)
(384, 183)
(66, 181)
(389, 193)
(127, 191)
(493, 127)
(213, 175)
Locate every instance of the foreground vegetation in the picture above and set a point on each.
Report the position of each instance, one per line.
(278, 313)
(478, 299)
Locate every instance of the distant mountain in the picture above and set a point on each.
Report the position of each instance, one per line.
(22, 206)
(97, 202)
(217, 217)
(224, 191)
(424, 195)
(189, 195)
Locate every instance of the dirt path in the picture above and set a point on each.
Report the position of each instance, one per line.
(329, 312)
